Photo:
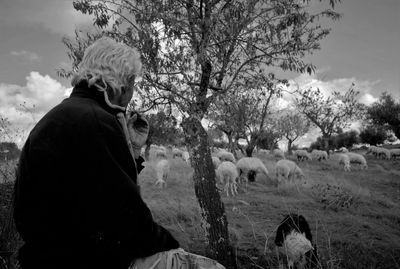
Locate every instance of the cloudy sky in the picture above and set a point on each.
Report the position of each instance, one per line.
(363, 48)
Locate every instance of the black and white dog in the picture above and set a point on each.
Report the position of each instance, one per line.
(294, 239)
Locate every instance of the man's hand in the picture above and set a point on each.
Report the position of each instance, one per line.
(138, 129)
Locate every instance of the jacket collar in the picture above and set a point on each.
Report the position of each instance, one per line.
(82, 90)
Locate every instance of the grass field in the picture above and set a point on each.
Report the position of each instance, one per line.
(354, 216)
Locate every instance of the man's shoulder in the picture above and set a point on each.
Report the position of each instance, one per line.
(81, 109)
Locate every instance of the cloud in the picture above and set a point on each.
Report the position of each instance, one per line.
(24, 105)
(304, 81)
(59, 16)
(368, 99)
(26, 55)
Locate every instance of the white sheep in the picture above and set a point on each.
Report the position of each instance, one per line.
(319, 155)
(383, 153)
(278, 154)
(216, 162)
(288, 170)
(186, 157)
(394, 153)
(227, 174)
(248, 167)
(373, 150)
(177, 153)
(358, 159)
(343, 150)
(225, 156)
(344, 160)
(160, 154)
(302, 155)
(294, 240)
(162, 169)
(263, 152)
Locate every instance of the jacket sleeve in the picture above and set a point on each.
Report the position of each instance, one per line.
(122, 219)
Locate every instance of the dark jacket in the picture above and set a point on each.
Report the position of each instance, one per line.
(77, 202)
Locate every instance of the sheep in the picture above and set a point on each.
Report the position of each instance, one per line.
(248, 167)
(162, 169)
(177, 153)
(227, 174)
(263, 151)
(216, 162)
(394, 153)
(294, 240)
(358, 159)
(373, 150)
(278, 154)
(302, 155)
(226, 156)
(186, 157)
(160, 154)
(344, 160)
(288, 170)
(319, 155)
(343, 150)
(383, 153)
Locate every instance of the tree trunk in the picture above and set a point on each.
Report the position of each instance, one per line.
(250, 149)
(289, 146)
(231, 146)
(326, 143)
(214, 220)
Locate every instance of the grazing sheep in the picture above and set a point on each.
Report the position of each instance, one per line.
(394, 153)
(225, 156)
(294, 239)
(263, 152)
(160, 154)
(373, 150)
(358, 159)
(279, 154)
(383, 153)
(177, 153)
(288, 170)
(319, 155)
(248, 167)
(186, 157)
(162, 169)
(227, 174)
(344, 160)
(302, 155)
(216, 162)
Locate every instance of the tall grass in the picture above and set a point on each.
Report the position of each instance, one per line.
(354, 216)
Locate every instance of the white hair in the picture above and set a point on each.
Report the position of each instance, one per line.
(109, 66)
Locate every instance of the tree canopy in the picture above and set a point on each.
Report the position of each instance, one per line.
(194, 51)
(386, 112)
(330, 114)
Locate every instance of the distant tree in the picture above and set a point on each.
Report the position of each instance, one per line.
(386, 112)
(163, 130)
(245, 113)
(194, 51)
(214, 135)
(373, 135)
(269, 139)
(9, 151)
(346, 139)
(330, 114)
(292, 126)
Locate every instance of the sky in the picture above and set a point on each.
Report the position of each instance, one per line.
(363, 48)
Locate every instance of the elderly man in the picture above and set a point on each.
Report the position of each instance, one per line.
(77, 202)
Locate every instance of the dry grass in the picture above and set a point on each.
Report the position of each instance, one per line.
(354, 216)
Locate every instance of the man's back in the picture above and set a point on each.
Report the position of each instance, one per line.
(76, 188)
